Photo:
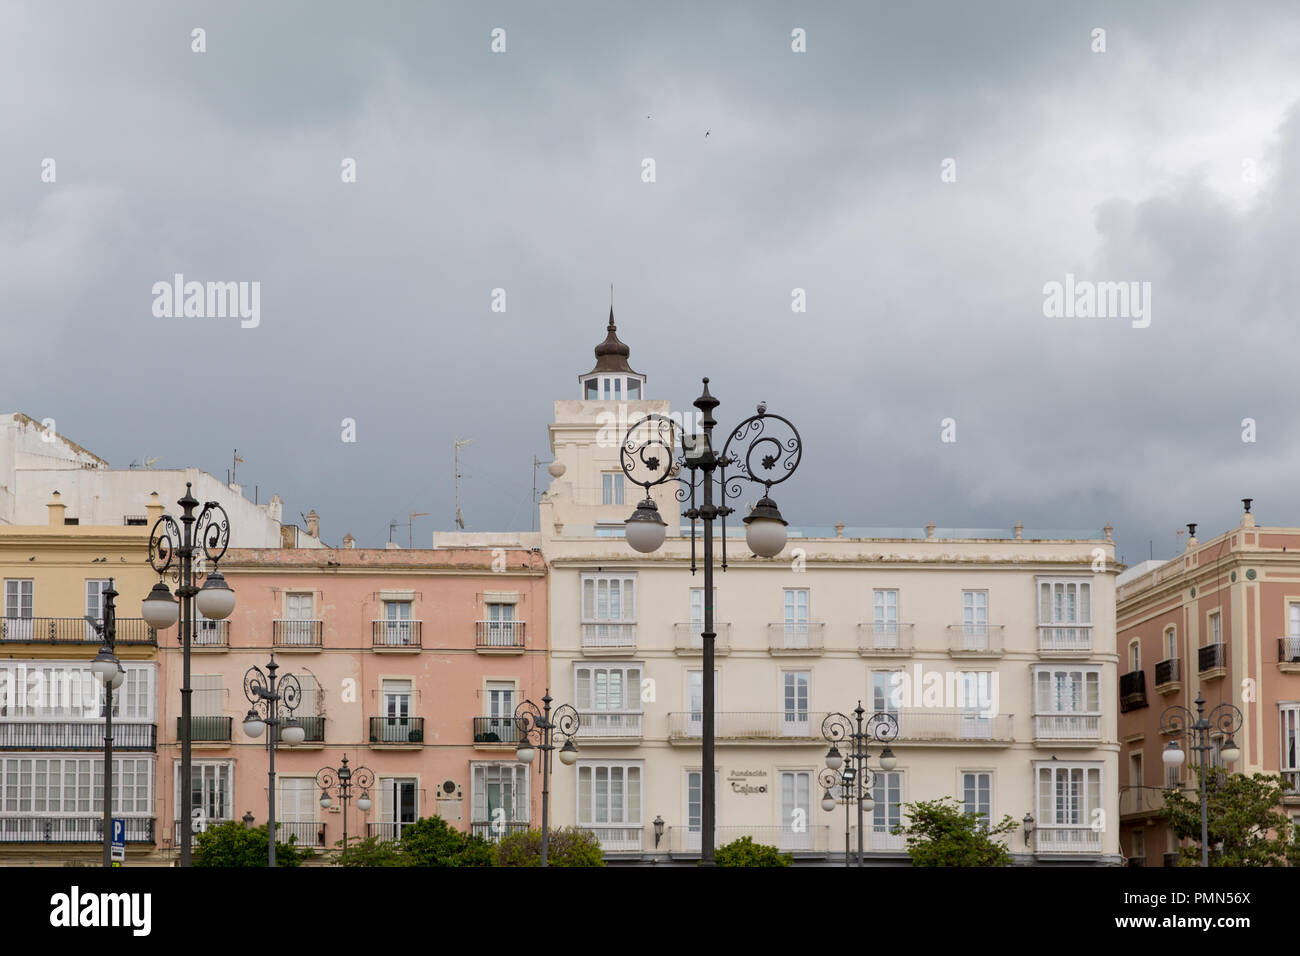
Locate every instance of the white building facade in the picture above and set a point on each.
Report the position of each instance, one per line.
(994, 651)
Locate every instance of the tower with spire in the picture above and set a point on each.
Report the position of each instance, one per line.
(590, 494)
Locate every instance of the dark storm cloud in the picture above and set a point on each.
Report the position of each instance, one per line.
(522, 171)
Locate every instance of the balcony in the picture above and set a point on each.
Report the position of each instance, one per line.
(975, 640)
(1288, 655)
(885, 640)
(71, 630)
(796, 639)
(609, 726)
(387, 830)
(882, 837)
(72, 829)
(1212, 661)
(1057, 839)
(1291, 778)
(688, 643)
(297, 635)
(76, 735)
(492, 832)
(314, 727)
(1141, 801)
(1132, 691)
(748, 727)
(303, 833)
(608, 638)
(1169, 676)
(1074, 640)
(212, 730)
(499, 637)
(178, 831)
(626, 839)
(1067, 728)
(1170, 859)
(395, 635)
(493, 732)
(211, 636)
(921, 725)
(812, 841)
(397, 732)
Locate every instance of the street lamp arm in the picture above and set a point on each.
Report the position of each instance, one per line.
(165, 542)
(778, 454)
(212, 531)
(1226, 719)
(653, 455)
(1177, 721)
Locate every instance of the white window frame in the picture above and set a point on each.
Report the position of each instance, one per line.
(983, 794)
(588, 794)
(219, 784)
(19, 608)
(484, 774)
(608, 613)
(1075, 811)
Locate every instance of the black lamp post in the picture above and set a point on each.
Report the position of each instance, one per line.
(851, 772)
(1177, 721)
(175, 548)
(264, 716)
(650, 451)
(110, 674)
(538, 727)
(341, 780)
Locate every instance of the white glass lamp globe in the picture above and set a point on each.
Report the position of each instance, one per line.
(253, 724)
(325, 800)
(568, 754)
(1173, 755)
(525, 753)
(887, 759)
(215, 599)
(645, 530)
(1230, 751)
(160, 609)
(834, 760)
(828, 803)
(364, 800)
(765, 529)
(293, 732)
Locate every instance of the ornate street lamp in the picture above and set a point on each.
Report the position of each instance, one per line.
(264, 716)
(1177, 721)
(176, 548)
(537, 732)
(767, 451)
(341, 780)
(110, 674)
(853, 776)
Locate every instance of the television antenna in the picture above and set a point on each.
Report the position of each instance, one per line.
(460, 443)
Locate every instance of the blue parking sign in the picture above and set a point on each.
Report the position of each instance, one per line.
(118, 848)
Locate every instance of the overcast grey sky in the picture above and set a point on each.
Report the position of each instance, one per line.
(1170, 158)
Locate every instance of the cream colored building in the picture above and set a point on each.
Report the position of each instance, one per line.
(994, 650)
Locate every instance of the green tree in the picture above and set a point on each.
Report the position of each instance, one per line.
(745, 852)
(233, 844)
(431, 842)
(568, 846)
(1246, 826)
(942, 833)
(372, 851)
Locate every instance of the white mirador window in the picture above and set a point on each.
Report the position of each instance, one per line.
(609, 794)
(498, 793)
(72, 785)
(611, 488)
(611, 388)
(608, 609)
(609, 697)
(1067, 690)
(1062, 602)
(18, 597)
(885, 612)
(1068, 793)
(70, 691)
(977, 794)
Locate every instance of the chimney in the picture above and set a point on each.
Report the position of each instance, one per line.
(1107, 532)
(313, 523)
(349, 541)
(153, 510)
(1247, 519)
(929, 531)
(1020, 531)
(1191, 536)
(57, 511)
(839, 529)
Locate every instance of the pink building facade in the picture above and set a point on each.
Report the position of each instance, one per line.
(411, 663)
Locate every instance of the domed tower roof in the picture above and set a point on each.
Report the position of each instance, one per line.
(611, 354)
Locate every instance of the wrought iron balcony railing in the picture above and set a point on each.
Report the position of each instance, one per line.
(1212, 656)
(205, 729)
(69, 829)
(503, 634)
(385, 633)
(496, 730)
(72, 630)
(287, 633)
(1168, 672)
(884, 638)
(397, 730)
(1132, 691)
(76, 735)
